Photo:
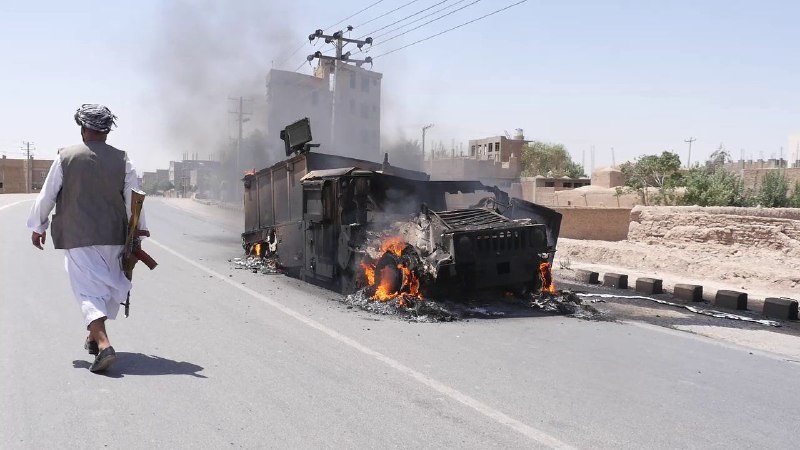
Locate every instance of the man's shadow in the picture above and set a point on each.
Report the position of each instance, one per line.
(139, 364)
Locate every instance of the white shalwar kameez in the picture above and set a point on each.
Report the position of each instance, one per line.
(95, 272)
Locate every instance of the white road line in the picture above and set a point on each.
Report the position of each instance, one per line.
(537, 435)
(15, 203)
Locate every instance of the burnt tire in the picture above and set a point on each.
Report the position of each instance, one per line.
(386, 270)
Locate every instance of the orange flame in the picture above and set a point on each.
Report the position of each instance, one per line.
(409, 285)
(369, 272)
(384, 291)
(548, 287)
(257, 249)
(394, 245)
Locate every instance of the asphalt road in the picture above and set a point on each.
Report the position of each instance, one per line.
(215, 357)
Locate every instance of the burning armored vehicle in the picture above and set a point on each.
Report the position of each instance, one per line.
(349, 224)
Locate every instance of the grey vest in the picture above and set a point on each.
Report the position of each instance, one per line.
(90, 208)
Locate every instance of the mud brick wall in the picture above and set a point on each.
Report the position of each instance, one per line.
(767, 228)
(601, 224)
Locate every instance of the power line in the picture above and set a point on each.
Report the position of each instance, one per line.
(422, 25)
(407, 17)
(352, 15)
(294, 52)
(451, 29)
(425, 17)
(386, 13)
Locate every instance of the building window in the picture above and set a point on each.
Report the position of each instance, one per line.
(549, 184)
(567, 185)
(491, 147)
(497, 146)
(472, 151)
(364, 84)
(352, 80)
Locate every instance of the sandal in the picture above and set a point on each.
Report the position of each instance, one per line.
(91, 346)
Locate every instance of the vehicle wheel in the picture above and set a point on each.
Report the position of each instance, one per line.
(387, 273)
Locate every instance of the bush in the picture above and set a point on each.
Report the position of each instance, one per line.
(794, 200)
(774, 191)
(714, 186)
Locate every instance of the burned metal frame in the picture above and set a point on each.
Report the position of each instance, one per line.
(320, 212)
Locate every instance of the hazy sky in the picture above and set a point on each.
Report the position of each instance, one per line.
(639, 76)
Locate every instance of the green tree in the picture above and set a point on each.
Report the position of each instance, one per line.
(714, 186)
(550, 160)
(794, 201)
(654, 171)
(774, 190)
(719, 157)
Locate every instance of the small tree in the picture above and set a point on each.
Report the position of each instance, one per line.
(794, 201)
(548, 159)
(774, 190)
(714, 186)
(720, 157)
(652, 171)
(618, 191)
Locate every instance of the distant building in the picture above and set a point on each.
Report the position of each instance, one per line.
(752, 178)
(23, 175)
(498, 148)
(542, 190)
(495, 161)
(344, 108)
(152, 181)
(181, 177)
(794, 150)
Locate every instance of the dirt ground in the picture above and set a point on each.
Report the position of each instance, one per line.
(759, 272)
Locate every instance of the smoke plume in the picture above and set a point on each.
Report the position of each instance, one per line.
(205, 53)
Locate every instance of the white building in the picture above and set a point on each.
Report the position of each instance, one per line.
(344, 108)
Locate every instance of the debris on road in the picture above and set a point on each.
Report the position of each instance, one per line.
(706, 312)
(258, 264)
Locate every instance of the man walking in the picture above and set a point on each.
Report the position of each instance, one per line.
(90, 186)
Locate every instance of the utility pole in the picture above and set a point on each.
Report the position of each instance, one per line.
(240, 119)
(613, 158)
(689, 159)
(424, 129)
(335, 62)
(29, 167)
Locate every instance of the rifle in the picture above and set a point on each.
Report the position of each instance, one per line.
(133, 243)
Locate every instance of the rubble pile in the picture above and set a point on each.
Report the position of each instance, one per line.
(405, 307)
(567, 303)
(258, 264)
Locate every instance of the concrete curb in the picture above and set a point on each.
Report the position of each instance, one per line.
(775, 308)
